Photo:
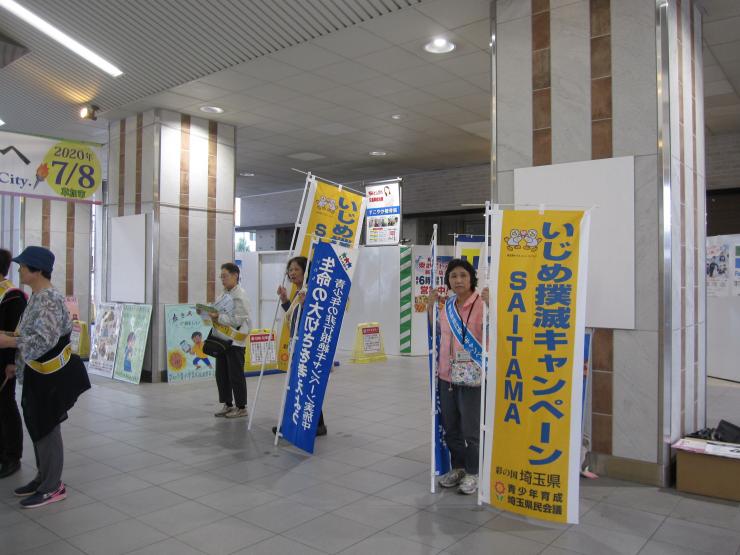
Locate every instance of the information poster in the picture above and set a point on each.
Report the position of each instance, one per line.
(185, 332)
(371, 340)
(718, 269)
(329, 285)
(73, 307)
(383, 223)
(534, 396)
(132, 342)
(261, 349)
(38, 167)
(423, 279)
(105, 339)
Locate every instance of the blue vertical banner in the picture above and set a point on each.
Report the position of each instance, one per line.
(329, 283)
(442, 462)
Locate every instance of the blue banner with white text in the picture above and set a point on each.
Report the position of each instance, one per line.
(329, 284)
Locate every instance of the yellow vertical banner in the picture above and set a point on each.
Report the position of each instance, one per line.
(534, 386)
(333, 213)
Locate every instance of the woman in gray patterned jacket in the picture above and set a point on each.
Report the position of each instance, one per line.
(52, 376)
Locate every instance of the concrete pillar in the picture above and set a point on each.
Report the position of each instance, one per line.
(179, 170)
(583, 80)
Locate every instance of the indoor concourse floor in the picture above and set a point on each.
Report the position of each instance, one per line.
(149, 470)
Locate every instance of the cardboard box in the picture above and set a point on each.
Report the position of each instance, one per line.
(708, 473)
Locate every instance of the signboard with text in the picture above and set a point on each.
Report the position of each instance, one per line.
(538, 291)
(49, 168)
(383, 223)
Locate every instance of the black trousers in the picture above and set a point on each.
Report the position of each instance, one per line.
(11, 427)
(461, 422)
(230, 380)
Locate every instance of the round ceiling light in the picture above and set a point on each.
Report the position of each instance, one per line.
(211, 109)
(378, 153)
(439, 45)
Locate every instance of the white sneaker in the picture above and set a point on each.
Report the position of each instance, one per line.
(237, 413)
(452, 478)
(468, 485)
(226, 409)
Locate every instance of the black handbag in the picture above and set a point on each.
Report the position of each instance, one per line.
(215, 347)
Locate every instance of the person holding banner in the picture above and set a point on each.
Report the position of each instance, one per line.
(296, 271)
(232, 316)
(459, 371)
(53, 377)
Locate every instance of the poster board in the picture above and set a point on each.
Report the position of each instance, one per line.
(383, 221)
(609, 186)
(184, 336)
(105, 339)
(127, 256)
(132, 341)
(723, 307)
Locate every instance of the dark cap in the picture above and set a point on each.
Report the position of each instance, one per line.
(36, 257)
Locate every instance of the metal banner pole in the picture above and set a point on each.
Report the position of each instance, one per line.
(484, 370)
(296, 229)
(433, 388)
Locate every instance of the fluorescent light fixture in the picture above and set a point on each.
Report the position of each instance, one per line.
(211, 109)
(378, 153)
(396, 116)
(439, 45)
(246, 174)
(62, 38)
(2, 122)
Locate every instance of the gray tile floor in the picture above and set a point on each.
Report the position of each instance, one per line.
(150, 471)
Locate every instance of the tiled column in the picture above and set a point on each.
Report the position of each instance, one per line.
(577, 81)
(179, 169)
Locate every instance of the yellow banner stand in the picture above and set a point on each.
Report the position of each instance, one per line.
(80, 339)
(368, 344)
(260, 347)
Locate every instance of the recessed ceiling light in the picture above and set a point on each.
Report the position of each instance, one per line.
(246, 174)
(62, 38)
(396, 116)
(89, 111)
(439, 45)
(208, 109)
(378, 153)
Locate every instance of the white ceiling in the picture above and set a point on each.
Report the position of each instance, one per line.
(310, 84)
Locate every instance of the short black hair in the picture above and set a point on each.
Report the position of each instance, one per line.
(44, 273)
(231, 268)
(465, 265)
(5, 259)
(302, 261)
(196, 333)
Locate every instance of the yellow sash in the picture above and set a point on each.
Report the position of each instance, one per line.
(53, 365)
(230, 332)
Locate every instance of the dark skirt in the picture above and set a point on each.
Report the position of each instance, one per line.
(46, 398)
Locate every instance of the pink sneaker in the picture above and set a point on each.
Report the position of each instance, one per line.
(39, 499)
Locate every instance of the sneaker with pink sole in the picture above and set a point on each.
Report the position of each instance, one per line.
(39, 499)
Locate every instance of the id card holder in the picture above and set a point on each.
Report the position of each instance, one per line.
(462, 356)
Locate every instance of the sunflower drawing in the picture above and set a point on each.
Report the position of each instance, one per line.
(175, 360)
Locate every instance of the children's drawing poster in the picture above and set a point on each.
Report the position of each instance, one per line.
(132, 342)
(105, 339)
(185, 332)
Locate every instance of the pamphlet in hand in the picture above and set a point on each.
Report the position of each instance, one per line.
(204, 311)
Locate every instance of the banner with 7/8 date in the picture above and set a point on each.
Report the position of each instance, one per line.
(333, 213)
(49, 168)
(533, 395)
(329, 284)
